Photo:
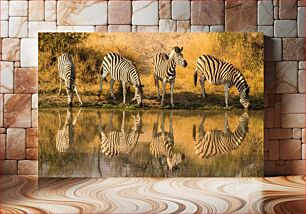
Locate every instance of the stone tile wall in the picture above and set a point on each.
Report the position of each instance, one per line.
(282, 21)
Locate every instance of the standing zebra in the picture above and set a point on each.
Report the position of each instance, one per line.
(121, 141)
(217, 142)
(165, 69)
(162, 144)
(217, 72)
(121, 69)
(65, 135)
(66, 70)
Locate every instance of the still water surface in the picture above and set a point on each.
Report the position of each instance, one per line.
(160, 143)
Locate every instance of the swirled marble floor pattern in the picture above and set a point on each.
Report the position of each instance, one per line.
(29, 194)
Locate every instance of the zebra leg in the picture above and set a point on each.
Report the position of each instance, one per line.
(60, 88)
(157, 85)
(164, 91)
(226, 89)
(226, 128)
(171, 93)
(76, 91)
(112, 82)
(202, 80)
(124, 91)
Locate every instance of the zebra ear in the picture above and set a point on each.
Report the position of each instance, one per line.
(181, 48)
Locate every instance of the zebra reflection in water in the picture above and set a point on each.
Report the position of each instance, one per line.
(217, 142)
(65, 135)
(161, 146)
(119, 141)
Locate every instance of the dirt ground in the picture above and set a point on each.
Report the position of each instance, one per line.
(182, 100)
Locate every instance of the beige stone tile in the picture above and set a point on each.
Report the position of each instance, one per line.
(167, 25)
(297, 133)
(207, 12)
(36, 10)
(280, 133)
(35, 101)
(119, 12)
(17, 110)
(119, 28)
(26, 80)
(147, 28)
(4, 13)
(15, 144)
(11, 49)
(101, 28)
(32, 154)
(295, 167)
(164, 9)
(286, 77)
(269, 168)
(29, 53)
(32, 138)
(50, 10)
(293, 120)
(239, 15)
(27, 167)
(181, 10)
(287, 9)
(7, 77)
(290, 149)
(301, 81)
(293, 103)
(82, 12)
(183, 26)
(2, 146)
(18, 27)
(18, 8)
(76, 28)
(4, 29)
(304, 135)
(293, 49)
(1, 110)
(145, 13)
(35, 118)
(265, 12)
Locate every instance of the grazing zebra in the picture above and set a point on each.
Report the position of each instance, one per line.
(66, 70)
(121, 141)
(65, 135)
(217, 72)
(217, 142)
(121, 69)
(162, 144)
(164, 70)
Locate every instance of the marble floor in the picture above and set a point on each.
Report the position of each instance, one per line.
(139, 195)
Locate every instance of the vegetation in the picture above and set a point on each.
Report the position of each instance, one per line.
(243, 50)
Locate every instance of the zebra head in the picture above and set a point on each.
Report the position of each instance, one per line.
(70, 94)
(244, 98)
(139, 94)
(177, 56)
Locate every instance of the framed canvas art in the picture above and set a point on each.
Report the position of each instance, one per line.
(151, 105)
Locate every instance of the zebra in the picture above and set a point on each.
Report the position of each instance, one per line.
(65, 135)
(218, 72)
(66, 70)
(164, 70)
(161, 145)
(121, 69)
(217, 142)
(122, 141)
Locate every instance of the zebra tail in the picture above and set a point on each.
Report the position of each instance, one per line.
(195, 78)
(194, 132)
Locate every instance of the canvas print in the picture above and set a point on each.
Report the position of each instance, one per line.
(151, 104)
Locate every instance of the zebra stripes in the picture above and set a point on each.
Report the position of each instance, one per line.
(123, 141)
(164, 69)
(162, 144)
(65, 135)
(217, 142)
(217, 72)
(121, 69)
(66, 70)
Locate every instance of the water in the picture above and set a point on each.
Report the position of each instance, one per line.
(168, 143)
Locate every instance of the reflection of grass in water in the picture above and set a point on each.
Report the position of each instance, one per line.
(247, 159)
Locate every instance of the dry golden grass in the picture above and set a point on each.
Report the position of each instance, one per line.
(243, 50)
